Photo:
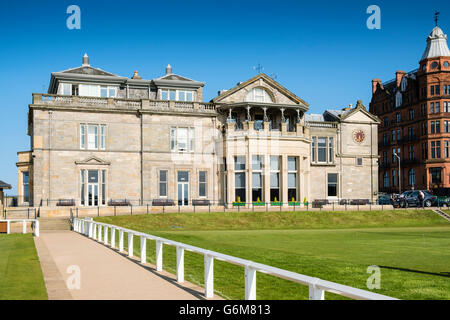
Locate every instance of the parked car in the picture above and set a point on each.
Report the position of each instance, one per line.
(384, 199)
(411, 199)
(443, 201)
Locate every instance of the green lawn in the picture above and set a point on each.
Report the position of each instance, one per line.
(20, 270)
(411, 247)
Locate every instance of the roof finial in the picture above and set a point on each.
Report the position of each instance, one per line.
(168, 69)
(436, 17)
(258, 68)
(85, 60)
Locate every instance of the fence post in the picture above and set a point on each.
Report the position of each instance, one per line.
(180, 264)
(24, 226)
(98, 211)
(114, 210)
(143, 249)
(35, 213)
(8, 227)
(250, 283)
(147, 208)
(209, 276)
(100, 229)
(209, 207)
(113, 237)
(105, 236)
(131, 208)
(120, 240)
(159, 257)
(36, 228)
(130, 244)
(95, 232)
(194, 208)
(316, 293)
(28, 213)
(164, 209)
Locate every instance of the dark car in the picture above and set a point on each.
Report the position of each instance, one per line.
(411, 199)
(384, 199)
(443, 201)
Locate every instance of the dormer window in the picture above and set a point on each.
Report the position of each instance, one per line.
(66, 89)
(258, 95)
(107, 92)
(177, 95)
(398, 99)
(404, 84)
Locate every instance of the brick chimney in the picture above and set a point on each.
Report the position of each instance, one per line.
(375, 82)
(398, 77)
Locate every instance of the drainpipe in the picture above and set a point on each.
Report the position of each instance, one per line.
(49, 154)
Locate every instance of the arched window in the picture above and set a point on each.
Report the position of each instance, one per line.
(386, 180)
(412, 177)
(258, 95)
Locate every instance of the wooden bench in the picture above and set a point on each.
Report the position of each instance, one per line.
(119, 203)
(201, 202)
(65, 203)
(162, 202)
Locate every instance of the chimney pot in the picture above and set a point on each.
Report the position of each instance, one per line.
(168, 69)
(85, 60)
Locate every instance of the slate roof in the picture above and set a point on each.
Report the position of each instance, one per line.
(4, 185)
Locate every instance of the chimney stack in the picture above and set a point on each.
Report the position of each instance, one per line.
(375, 83)
(85, 60)
(398, 77)
(168, 69)
(136, 75)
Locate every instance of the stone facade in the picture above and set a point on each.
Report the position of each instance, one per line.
(95, 149)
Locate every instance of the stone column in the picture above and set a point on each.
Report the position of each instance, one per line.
(266, 177)
(284, 180)
(266, 127)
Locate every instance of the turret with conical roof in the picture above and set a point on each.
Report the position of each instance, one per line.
(436, 45)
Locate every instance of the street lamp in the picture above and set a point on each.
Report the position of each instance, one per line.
(399, 174)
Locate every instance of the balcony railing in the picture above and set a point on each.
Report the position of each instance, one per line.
(123, 104)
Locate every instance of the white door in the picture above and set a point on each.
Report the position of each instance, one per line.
(183, 188)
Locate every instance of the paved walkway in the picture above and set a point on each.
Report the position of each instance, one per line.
(106, 274)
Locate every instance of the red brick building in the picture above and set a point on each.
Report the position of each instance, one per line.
(415, 112)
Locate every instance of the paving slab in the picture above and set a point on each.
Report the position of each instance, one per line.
(105, 274)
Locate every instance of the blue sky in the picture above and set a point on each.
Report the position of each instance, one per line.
(320, 50)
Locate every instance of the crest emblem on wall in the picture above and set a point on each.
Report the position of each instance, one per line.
(359, 136)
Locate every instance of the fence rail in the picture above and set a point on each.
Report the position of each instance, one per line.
(34, 225)
(317, 287)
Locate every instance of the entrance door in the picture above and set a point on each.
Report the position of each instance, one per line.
(92, 188)
(183, 188)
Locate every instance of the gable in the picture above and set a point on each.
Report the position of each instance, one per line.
(278, 93)
(88, 70)
(92, 161)
(360, 116)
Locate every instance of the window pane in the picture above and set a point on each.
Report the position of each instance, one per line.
(92, 176)
(183, 176)
(92, 136)
(182, 139)
(112, 92)
(292, 163)
(256, 180)
(240, 180)
(189, 96)
(202, 176)
(239, 163)
(82, 136)
(164, 95)
(172, 94)
(67, 90)
(181, 96)
(322, 144)
(256, 163)
(191, 139)
(292, 180)
(202, 190)
(274, 163)
(103, 92)
(274, 180)
(102, 136)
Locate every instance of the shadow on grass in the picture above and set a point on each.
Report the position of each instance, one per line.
(441, 274)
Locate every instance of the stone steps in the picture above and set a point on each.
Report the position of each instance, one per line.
(54, 224)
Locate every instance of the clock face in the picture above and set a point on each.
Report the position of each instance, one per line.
(359, 136)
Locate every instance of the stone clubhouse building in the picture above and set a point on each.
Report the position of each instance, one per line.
(97, 138)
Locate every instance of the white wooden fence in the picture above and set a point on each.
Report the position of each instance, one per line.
(317, 287)
(24, 225)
